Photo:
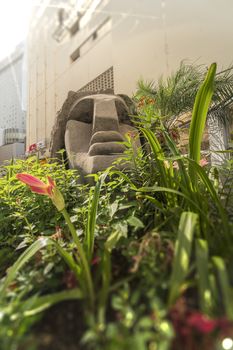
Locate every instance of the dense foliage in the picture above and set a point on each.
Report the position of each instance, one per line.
(144, 255)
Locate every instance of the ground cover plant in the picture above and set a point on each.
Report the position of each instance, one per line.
(141, 260)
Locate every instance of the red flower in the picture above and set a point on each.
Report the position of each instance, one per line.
(49, 189)
(36, 185)
(174, 133)
(151, 101)
(201, 323)
(175, 165)
(32, 148)
(96, 260)
(58, 234)
(69, 279)
(203, 162)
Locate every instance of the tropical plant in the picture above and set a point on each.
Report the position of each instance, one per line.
(182, 183)
(175, 95)
(148, 250)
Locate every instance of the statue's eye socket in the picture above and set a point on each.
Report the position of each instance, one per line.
(82, 111)
(122, 113)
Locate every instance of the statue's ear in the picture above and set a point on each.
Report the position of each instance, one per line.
(131, 106)
(82, 111)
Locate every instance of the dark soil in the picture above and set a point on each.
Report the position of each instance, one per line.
(60, 328)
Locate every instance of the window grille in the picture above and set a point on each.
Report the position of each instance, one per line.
(103, 82)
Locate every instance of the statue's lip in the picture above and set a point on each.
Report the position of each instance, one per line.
(106, 136)
(106, 148)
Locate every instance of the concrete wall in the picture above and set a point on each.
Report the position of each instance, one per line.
(143, 39)
(14, 150)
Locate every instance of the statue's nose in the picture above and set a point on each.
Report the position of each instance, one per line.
(105, 133)
(105, 116)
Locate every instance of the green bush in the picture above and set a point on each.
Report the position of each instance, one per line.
(148, 248)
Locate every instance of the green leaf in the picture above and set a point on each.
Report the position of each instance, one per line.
(21, 261)
(182, 170)
(187, 226)
(124, 177)
(158, 153)
(170, 190)
(48, 268)
(134, 221)
(113, 209)
(200, 109)
(205, 294)
(154, 201)
(113, 239)
(46, 301)
(224, 285)
(200, 172)
(28, 254)
(91, 219)
(104, 291)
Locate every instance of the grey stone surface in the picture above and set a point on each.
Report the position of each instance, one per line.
(57, 136)
(90, 127)
(13, 150)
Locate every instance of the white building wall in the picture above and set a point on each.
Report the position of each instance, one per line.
(143, 39)
(11, 110)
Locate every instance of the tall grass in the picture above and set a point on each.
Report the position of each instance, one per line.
(202, 261)
(200, 110)
(187, 226)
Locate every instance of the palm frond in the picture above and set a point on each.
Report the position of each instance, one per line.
(145, 88)
(175, 95)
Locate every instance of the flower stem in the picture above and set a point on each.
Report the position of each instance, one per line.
(82, 255)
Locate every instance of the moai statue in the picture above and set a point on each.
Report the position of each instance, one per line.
(90, 127)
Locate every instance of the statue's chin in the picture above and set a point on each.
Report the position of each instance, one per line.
(92, 164)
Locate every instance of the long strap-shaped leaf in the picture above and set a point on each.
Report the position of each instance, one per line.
(104, 291)
(202, 258)
(92, 214)
(200, 109)
(28, 254)
(200, 172)
(224, 285)
(183, 173)
(170, 190)
(187, 226)
(91, 220)
(158, 153)
(44, 302)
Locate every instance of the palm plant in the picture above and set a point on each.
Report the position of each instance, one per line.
(175, 95)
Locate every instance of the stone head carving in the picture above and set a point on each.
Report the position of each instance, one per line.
(92, 130)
